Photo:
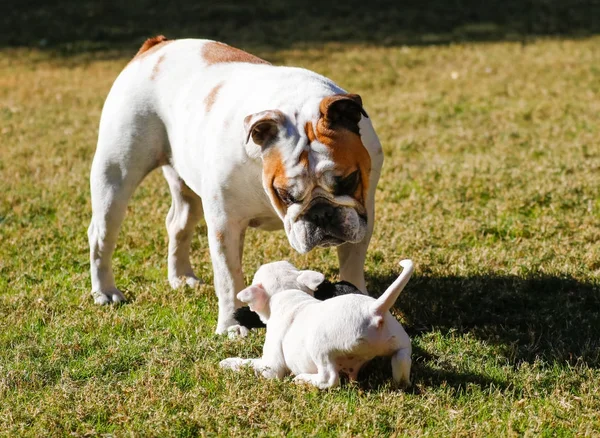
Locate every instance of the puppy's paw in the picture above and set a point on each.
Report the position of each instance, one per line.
(237, 331)
(304, 379)
(232, 363)
(190, 280)
(320, 381)
(268, 373)
(109, 296)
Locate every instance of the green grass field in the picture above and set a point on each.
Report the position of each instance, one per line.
(491, 185)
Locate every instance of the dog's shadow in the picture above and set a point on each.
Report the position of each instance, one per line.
(377, 375)
(555, 319)
(551, 318)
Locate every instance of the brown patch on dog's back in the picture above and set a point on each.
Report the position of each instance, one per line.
(348, 153)
(151, 45)
(211, 97)
(274, 175)
(214, 53)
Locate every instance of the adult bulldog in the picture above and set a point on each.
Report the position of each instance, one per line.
(242, 142)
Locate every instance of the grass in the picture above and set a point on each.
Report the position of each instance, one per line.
(491, 185)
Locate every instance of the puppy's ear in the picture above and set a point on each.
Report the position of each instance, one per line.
(264, 127)
(311, 279)
(255, 296)
(342, 110)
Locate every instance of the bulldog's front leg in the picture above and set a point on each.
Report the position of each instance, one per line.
(352, 256)
(226, 239)
(352, 263)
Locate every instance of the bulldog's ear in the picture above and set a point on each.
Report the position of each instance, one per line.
(311, 279)
(255, 296)
(264, 126)
(344, 109)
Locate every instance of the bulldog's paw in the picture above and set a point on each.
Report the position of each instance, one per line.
(232, 363)
(224, 325)
(109, 296)
(237, 331)
(404, 384)
(191, 280)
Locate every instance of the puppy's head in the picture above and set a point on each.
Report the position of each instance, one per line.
(279, 276)
(315, 170)
(273, 278)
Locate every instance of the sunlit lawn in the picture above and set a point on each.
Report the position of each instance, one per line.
(491, 185)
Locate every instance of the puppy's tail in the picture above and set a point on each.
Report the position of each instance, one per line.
(389, 297)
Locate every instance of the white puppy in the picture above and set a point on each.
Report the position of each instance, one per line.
(316, 340)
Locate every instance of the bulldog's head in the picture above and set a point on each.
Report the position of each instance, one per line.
(315, 170)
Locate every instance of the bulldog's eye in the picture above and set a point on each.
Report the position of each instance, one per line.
(347, 185)
(285, 196)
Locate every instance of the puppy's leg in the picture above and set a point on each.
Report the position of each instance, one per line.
(401, 363)
(183, 216)
(326, 377)
(225, 239)
(128, 149)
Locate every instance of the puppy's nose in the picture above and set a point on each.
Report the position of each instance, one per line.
(321, 214)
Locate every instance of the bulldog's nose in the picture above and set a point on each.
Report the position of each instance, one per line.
(321, 214)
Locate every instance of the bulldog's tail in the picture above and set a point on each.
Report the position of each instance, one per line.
(389, 297)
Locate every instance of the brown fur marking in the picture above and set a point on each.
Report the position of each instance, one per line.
(151, 45)
(310, 132)
(215, 53)
(151, 42)
(332, 115)
(274, 175)
(211, 97)
(303, 160)
(348, 153)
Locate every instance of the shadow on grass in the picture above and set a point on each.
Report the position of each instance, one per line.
(71, 26)
(377, 374)
(550, 318)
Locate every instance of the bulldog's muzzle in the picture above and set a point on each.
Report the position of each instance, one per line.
(329, 225)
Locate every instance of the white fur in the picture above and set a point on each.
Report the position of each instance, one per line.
(156, 116)
(316, 340)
